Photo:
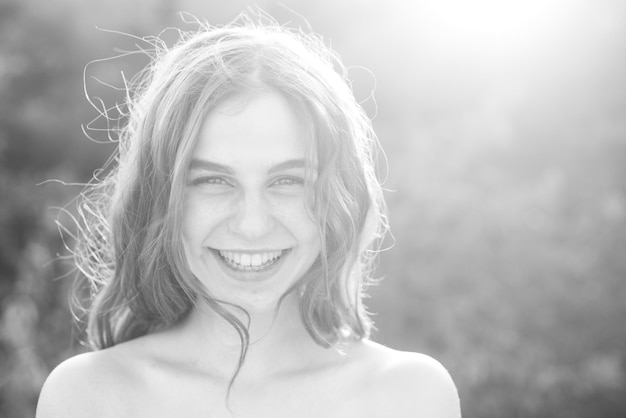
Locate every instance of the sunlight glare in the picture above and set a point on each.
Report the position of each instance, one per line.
(487, 27)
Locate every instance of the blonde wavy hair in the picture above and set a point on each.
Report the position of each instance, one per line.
(129, 243)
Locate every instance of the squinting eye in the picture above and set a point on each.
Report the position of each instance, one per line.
(211, 181)
(289, 181)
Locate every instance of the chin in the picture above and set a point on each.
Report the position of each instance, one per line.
(265, 305)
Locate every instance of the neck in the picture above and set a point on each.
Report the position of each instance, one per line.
(278, 341)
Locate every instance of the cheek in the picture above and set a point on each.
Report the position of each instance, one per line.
(200, 215)
(190, 218)
(299, 222)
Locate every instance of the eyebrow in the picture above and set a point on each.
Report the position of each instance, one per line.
(220, 168)
(287, 165)
(210, 166)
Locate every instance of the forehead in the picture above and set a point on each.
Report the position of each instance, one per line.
(253, 130)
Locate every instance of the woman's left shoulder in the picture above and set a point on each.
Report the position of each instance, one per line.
(411, 384)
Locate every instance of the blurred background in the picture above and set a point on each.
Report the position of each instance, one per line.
(504, 126)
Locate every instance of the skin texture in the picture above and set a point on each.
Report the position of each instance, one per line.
(249, 202)
(245, 195)
(138, 379)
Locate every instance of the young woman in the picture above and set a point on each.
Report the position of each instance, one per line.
(230, 247)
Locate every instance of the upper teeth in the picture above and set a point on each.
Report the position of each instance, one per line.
(251, 260)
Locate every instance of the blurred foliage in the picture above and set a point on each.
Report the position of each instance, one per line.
(506, 169)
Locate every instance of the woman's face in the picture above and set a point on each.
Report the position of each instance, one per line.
(247, 235)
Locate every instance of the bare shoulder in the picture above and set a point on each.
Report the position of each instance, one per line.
(411, 384)
(87, 384)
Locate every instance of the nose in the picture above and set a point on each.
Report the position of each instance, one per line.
(252, 218)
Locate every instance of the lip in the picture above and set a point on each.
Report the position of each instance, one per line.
(249, 276)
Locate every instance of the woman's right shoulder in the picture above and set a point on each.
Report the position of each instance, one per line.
(86, 385)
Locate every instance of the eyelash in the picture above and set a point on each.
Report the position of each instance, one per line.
(211, 180)
(292, 181)
(282, 181)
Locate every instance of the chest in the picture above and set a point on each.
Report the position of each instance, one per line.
(320, 396)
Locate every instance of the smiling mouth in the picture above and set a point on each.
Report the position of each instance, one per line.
(250, 262)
